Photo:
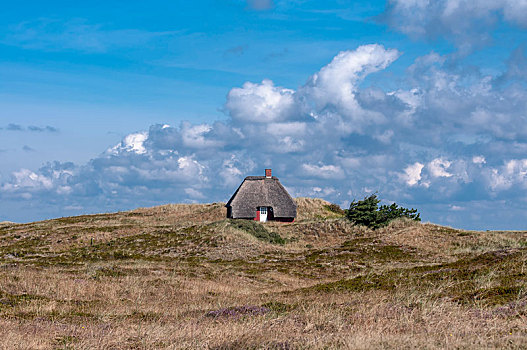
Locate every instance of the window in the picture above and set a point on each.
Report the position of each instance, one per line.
(263, 210)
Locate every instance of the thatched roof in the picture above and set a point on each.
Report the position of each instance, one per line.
(261, 191)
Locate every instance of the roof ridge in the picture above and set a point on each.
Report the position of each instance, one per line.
(260, 178)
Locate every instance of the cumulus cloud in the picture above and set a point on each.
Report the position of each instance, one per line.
(131, 143)
(26, 183)
(445, 138)
(26, 179)
(412, 174)
(439, 168)
(468, 23)
(512, 173)
(260, 103)
(336, 83)
(333, 89)
(328, 97)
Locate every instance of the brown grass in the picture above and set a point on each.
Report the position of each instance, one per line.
(313, 208)
(147, 279)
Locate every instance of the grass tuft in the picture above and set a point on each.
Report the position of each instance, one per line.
(258, 230)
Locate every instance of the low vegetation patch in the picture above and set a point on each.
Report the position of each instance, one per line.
(462, 281)
(258, 230)
(279, 307)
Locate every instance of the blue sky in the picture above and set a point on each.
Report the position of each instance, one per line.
(108, 106)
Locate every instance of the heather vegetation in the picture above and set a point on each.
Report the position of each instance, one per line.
(184, 277)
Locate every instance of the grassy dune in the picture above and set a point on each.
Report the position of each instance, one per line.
(182, 276)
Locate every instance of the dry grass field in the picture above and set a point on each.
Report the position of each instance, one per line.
(183, 277)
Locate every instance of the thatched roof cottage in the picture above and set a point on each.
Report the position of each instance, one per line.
(261, 198)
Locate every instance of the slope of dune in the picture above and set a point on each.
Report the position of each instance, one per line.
(182, 276)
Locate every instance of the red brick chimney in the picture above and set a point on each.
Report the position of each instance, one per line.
(268, 173)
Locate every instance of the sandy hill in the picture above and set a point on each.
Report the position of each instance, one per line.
(183, 276)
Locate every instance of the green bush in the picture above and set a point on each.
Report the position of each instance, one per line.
(368, 213)
(258, 230)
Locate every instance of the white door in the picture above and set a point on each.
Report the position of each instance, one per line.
(263, 214)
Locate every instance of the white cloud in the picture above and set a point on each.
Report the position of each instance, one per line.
(288, 144)
(513, 172)
(385, 137)
(468, 23)
(438, 167)
(336, 84)
(326, 191)
(260, 103)
(27, 179)
(194, 136)
(412, 99)
(230, 173)
(25, 182)
(193, 193)
(352, 163)
(412, 174)
(478, 160)
(422, 144)
(131, 143)
(323, 171)
(287, 129)
(329, 96)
